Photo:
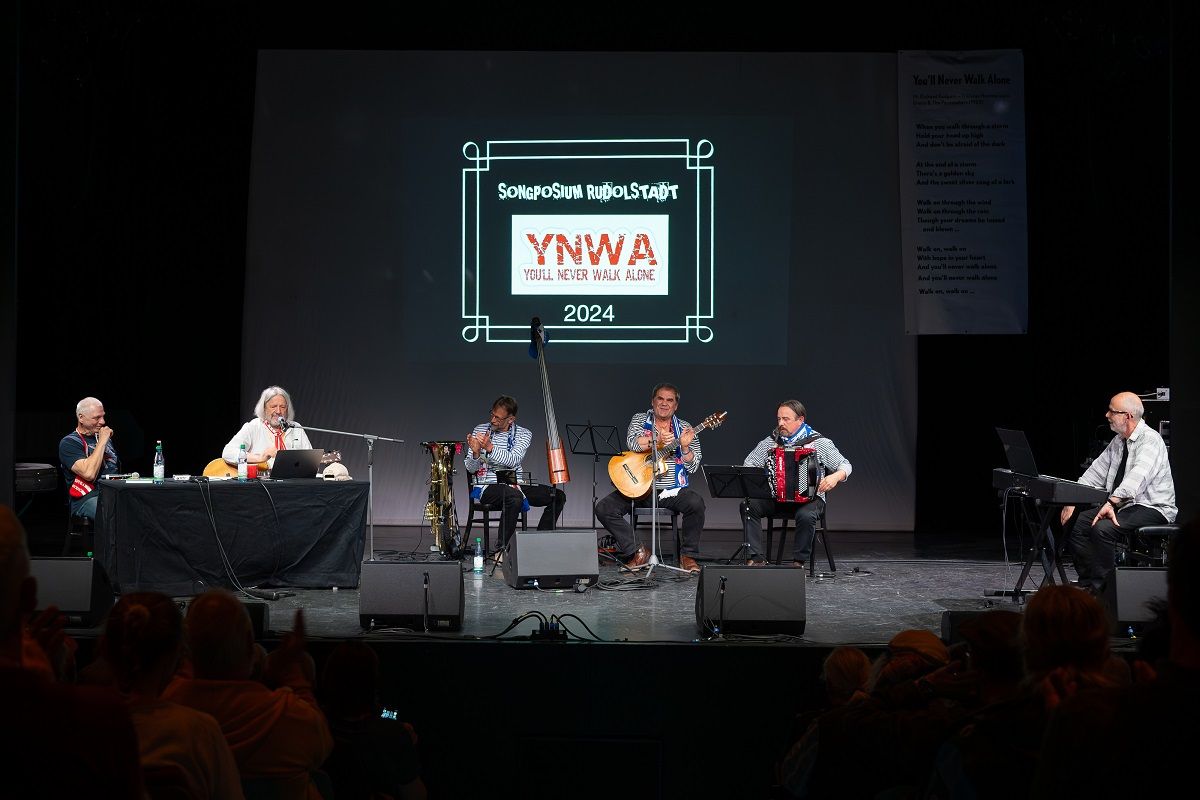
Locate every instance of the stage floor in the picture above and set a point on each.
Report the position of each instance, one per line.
(884, 582)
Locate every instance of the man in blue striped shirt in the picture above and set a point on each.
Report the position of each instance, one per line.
(832, 469)
(1135, 472)
(501, 444)
(678, 441)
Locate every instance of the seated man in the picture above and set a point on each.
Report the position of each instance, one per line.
(278, 734)
(502, 444)
(1135, 472)
(833, 468)
(85, 454)
(679, 448)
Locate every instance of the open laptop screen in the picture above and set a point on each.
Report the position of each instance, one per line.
(1018, 452)
(296, 464)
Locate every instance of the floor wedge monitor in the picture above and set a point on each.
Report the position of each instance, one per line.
(78, 586)
(738, 598)
(557, 559)
(420, 595)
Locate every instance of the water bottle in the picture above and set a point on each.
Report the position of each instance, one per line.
(242, 462)
(160, 465)
(477, 566)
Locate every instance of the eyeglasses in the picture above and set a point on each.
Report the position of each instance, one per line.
(1114, 412)
(499, 418)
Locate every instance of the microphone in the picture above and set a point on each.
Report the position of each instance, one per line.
(284, 424)
(780, 434)
(115, 476)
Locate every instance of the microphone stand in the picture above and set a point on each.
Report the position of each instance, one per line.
(370, 439)
(654, 560)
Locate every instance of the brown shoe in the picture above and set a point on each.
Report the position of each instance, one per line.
(689, 563)
(798, 564)
(640, 557)
(755, 562)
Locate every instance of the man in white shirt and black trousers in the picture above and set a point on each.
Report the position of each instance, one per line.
(1135, 472)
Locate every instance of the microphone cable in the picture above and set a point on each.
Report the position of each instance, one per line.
(255, 593)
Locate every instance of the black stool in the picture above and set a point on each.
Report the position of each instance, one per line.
(81, 529)
(1147, 546)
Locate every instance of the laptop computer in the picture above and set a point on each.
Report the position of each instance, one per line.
(296, 464)
(1018, 452)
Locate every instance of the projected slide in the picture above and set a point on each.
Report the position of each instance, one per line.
(608, 241)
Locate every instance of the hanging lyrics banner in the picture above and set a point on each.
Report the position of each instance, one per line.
(964, 237)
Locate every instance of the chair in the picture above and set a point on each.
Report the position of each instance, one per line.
(786, 513)
(483, 512)
(637, 513)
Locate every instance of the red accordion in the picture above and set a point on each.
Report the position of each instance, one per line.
(794, 476)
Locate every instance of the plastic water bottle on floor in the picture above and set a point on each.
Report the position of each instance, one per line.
(160, 464)
(477, 566)
(242, 463)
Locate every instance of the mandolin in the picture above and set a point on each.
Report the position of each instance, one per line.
(633, 473)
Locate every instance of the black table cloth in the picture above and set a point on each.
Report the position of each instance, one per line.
(184, 537)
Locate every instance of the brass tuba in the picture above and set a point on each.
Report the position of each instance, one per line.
(439, 510)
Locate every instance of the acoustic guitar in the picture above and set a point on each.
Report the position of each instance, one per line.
(633, 473)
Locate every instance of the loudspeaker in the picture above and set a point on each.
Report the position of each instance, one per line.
(78, 586)
(1126, 591)
(422, 595)
(738, 598)
(554, 559)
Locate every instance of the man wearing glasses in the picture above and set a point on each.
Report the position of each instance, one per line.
(501, 444)
(1134, 470)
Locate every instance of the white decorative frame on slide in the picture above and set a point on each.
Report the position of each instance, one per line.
(479, 321)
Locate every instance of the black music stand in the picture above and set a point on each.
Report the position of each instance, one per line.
(741, 482)
(594, 440)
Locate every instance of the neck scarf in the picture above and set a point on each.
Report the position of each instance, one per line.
(681, 474)
(802, 432)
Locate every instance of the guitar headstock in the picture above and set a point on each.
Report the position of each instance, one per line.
(714, 420)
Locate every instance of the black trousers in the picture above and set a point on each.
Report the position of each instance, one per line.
(612, 510)
(806, 515)
(509, 500)
(1092, 546)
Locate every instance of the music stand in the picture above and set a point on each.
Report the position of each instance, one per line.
(741, 482)
(594, 440)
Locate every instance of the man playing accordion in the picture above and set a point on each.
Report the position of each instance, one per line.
(801, 465)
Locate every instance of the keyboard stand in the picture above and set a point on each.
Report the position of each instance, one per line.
(1035, 515)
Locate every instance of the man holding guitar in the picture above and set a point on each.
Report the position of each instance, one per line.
(676, 457)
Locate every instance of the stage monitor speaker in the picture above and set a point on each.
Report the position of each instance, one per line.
(78, 586)
(422, 595)
(1126, 592)
(556, 559)
(756, 600)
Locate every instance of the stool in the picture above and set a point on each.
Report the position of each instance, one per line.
(638, 512)
(80, 528)
(785, 514)
(1147, 546)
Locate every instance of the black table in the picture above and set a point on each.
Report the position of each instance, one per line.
(304, 533)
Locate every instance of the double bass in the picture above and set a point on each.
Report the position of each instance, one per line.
(556, 458)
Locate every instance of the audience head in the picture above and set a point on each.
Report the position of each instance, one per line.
(349, 680)
(993, 640)
(18, 589)
(1064, 626)
(845, 671)
(909, 655)
(220, 637)
(143, 638)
